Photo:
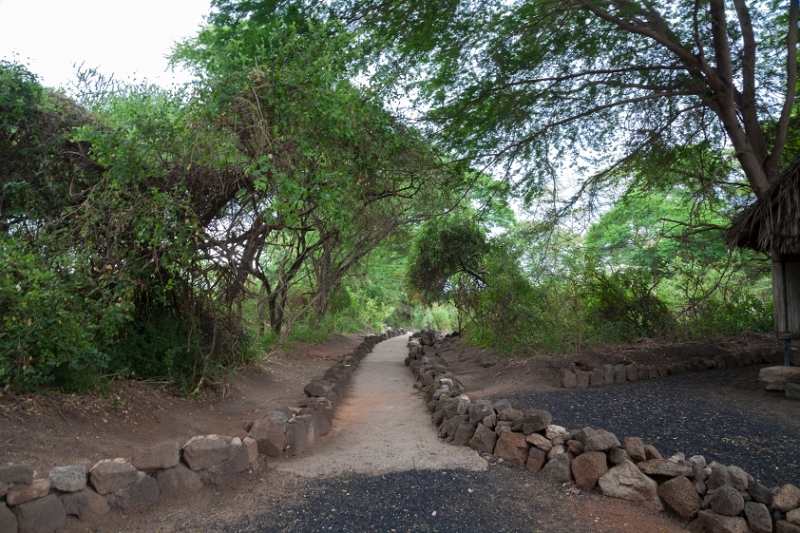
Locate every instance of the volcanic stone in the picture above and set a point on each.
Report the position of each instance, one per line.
(717, 523)
(483, 440)
(20, 493)
(627, 482)
(540, 441)
(463, 434)
(785, 498)
(16, 474)
(142, 493)
(679, 494)
(203, 452)
(724, 500)
(588, 468)
(158, 457)
(665, 467)
(601, 442)
(535, 420)
(86, 504)
(559, 469)
(758, 517)
(635, 448)
(536, 459)
(511, 446)
(68, 478)
(178, 481)
(44, 515)
(8, 520)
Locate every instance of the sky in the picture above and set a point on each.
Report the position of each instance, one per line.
(126, 38)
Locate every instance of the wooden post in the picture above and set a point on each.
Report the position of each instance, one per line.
(786, 300)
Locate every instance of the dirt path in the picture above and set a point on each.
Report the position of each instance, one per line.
(382, 426)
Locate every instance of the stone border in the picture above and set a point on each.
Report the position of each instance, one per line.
(167, 469)
(717, 498)
(615, 374)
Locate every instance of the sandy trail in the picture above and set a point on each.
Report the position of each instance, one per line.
(382, 425)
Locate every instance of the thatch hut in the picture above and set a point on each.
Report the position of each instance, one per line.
(772, 225)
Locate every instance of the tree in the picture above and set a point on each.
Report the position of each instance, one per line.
(532, 84)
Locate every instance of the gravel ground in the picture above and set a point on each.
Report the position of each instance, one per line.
(500, 499)
(720, 414)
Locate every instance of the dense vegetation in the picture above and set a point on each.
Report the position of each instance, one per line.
(339, 166)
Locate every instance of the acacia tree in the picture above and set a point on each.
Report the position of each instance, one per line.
(613, 83)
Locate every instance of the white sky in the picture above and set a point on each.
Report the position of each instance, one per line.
(126, 38)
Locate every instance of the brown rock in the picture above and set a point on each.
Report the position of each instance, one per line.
(724, 500)
(601, 442)
(786, 498)
(758, 517)
(483, 440)
(776, 377)
(205, 451)
(19, 494)
(158, 457)
(635, 448)
(540, 441)
(627, 482)
(269, 436)
(16, 474)
(178, 481)
(575, 447)
(632, 373)
(511, 446)
(142, 493)
(583, 379)
(783, 526)
(559, 469)
(44, 515)
(596, 377)
(86, 504)
(463, 434)
(665, 467)
(650, 452)
(226, 471)
(680, 495)
(4, 489)
(535, 420)
(588, 468)
(8, 520)
(717, 523)
(568, 379)
(536, 459)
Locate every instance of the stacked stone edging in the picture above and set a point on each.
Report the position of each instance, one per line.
(716, 498)
(169, 470)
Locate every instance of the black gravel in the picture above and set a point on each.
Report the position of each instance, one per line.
(500, 499)
(720, 414)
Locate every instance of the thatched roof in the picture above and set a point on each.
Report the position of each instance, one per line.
(772, 223)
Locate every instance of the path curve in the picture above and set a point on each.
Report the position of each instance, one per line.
(382, 425)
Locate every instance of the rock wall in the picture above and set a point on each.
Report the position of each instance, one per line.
(169, 469)
(715, 497)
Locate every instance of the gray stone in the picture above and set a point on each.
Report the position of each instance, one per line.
(157, 457)
(449, 426)
(318, 388)
(20, 493)
(44, 515)
(559, 469)
(175, 482)
(484, 440)
(204, 451)
(679, 494)
(8, 520)
(582, 435)
(536, 459)
(724, 500)
(490, 421)
(632, 373)
(792, 390)
(583, 379)
(300, 434)
(501, 405)
(223, 473)
(568, 379)
(16, 474)
(627, 482)
(617, 456)
(793, 516)
(608, 374)
(142, 493)
(3, 489)
(732, 476)
(535, 420)
(279, 418)
(589, 467)
(662, 371)
(620, 374)
(511, 447)
(555, 451)
(552, 431)
(596, 377)
(776, 377)
(463, 434)
(68, 478)
(758, 517)
(635, 448)
(479, 411)
(502, 426)
(784, 526)
(785, 498)
(666, 467)
(697, 461)
(601, 442)
(252, 451)
(717, 523)
(760, 493)
(269, 437)
(86, 504)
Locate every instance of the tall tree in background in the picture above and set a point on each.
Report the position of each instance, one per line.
(614, 84)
